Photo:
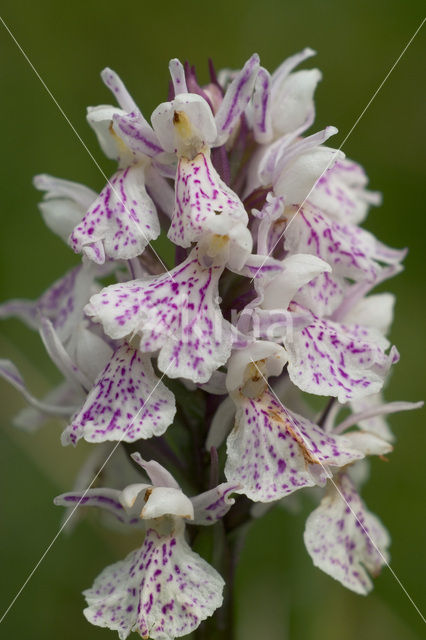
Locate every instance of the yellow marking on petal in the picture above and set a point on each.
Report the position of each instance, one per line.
(218, 243)
(182, 125)
(300, 441)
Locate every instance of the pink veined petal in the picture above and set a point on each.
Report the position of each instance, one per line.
(236, 99)
(351, 251)
(261, 108)
(200, 197)
(127, 403)
(211, 506)
(162, 590)
(25, 310)
(347, 361)
(62, 303)
(137, 134)
(176, 312)
(107, 499)
(272, 452)
(121, 221)
(344, 539)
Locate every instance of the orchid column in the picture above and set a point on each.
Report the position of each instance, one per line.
(188, 380)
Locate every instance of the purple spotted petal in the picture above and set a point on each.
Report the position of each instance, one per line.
(121, 221)
(162, 590)
(273, 452)
(351, 251)
(211, 506)
(344, 539)
(128, 402)
(201, 196)
(332, 359)
(323, 294)
(341, 192)
(176, 312)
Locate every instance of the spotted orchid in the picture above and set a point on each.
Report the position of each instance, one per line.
(203, 359)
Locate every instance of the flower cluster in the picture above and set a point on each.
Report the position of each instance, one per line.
(200, 367)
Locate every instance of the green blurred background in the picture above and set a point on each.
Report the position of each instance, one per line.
(280, 594)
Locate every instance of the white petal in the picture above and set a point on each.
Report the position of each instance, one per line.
(272, 452)
(346, 361)
(301, 173)
(297, 270)
(341, 192)
(273, 355)
(9, 372)
(121, 221)
(352, 251)
(60, 357)
(368, 443)
(177, 312)
(202, 201)
(374, 311)
(292, 100)
(323, 294)
(185, 124)
(222, 423)
(100, 119)
(164, 501)
(64, 203)
(344, 539)
(127, 402)
(64, 396)
(162, 591)
(158, 475)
